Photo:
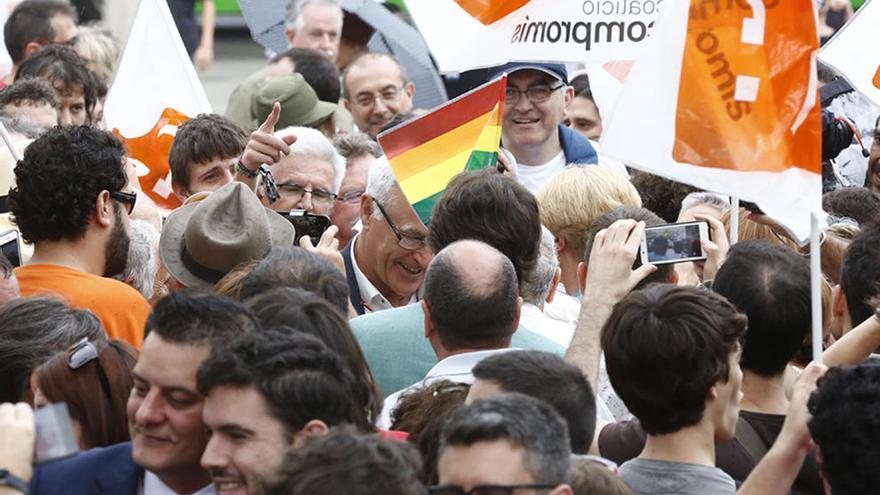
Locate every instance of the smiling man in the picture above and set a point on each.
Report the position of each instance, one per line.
(267, 393)
(164, 408)
(532, 128)
(385, 263)
(204, 153)
(375, 90)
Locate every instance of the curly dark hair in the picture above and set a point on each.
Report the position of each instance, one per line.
(845, 426)
(31, 91)
(59, 178)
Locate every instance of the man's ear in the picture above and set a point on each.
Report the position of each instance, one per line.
(568, 96)
(582, 277)
(561, 245)
(554, 284)
(290, 34)
(104, 209)
(562, 490)
(429, 330)
(366, 211)
(673, 278)
(519, 303)
(410, 89)
(179, 191)
(838, 302)
(314, 428)
(32, 47)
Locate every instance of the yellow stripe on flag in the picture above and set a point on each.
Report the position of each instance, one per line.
(434, 175)
(464, 138)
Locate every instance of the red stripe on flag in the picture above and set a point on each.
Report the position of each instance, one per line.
(443, 119)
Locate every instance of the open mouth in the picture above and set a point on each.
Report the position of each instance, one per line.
(526, 121)
(229, 486)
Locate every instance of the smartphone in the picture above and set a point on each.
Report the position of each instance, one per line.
(306, 223)
(54, 433)
(9, 244)
(674, 243)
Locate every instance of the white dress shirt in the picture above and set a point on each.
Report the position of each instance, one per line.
(456, 368)
(152, 485)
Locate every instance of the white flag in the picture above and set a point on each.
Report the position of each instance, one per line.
(852, 51)
(723, 97)
(155, 90)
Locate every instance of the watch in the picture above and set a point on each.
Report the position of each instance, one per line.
(13, 481)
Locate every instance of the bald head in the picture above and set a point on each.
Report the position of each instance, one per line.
(375, 89)
(471, 295)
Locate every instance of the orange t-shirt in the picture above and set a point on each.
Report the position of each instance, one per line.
(122, 310)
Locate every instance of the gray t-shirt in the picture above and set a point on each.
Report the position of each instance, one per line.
(650, 477)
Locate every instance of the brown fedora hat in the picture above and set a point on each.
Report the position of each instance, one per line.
(201, 242)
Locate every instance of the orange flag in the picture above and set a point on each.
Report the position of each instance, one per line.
(724, 98)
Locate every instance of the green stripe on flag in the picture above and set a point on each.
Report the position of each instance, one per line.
(478, 160)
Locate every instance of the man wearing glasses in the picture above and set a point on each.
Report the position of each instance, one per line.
(72, 202)
(359, 152)
(385, 263)
(375, 90)
(536, 99)
(509, 444)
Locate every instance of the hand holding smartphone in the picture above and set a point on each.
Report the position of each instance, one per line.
(674, 243)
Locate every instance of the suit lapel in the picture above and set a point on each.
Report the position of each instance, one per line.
(120, 476)
(354, 291)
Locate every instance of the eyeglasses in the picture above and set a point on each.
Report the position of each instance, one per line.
(536, 94)
(406, 242)
(81, 354)
(387, 95)
(487, 489)
(128, 199)
(351, 197)
(295, 192)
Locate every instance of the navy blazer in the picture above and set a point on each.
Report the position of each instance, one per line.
(101, 471)
(354, 290)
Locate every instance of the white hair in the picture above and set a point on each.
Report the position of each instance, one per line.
(705, 198)
(142, 264)
(295, 21)
(381, 184)
(310, 142)
(537, 285)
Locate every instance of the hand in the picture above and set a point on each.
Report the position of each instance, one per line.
(716, 249)
(609, 274)
(17, 446)
(328, 247)
(794, 431)
(263, 146)
(203, 56)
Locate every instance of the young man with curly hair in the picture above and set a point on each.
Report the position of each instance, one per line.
(72, 201)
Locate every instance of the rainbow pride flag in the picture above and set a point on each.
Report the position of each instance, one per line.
(463, 134)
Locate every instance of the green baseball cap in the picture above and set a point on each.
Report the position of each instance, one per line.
(300, 105)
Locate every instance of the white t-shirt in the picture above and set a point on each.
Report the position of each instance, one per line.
(534, 176)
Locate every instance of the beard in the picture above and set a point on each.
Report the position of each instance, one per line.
(116, 250)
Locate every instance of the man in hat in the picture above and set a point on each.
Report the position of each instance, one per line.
(72, 200)
(203, 241)
(534, 107)
(300, 105)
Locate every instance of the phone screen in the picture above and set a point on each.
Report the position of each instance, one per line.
(10, 247)
(55, 438)
(674, 243)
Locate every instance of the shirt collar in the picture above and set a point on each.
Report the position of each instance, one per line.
(152, 485)
(460, 364)
(372, 299)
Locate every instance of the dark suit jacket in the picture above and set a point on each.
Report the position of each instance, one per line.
(101, 471)
(354, 290)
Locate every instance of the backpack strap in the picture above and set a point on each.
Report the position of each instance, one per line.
(749, 439)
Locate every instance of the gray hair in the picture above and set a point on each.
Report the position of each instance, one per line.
(355, 145)
(523, 421)
(536, 287)
(310, 142)
(295, 21)
(33, 330)
(382, 185)
(142, 264)
(20, 125)
(705, 198)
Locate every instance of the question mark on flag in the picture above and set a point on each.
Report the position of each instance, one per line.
(752, 34)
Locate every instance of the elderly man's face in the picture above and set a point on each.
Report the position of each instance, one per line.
(529, 124)
(376, 93)
(322, 26)
(304, 183)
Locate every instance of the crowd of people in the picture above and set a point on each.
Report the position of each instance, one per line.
(296, 328)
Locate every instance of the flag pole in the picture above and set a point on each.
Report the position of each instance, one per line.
(8, 140)
(734, 220)
(816, 287)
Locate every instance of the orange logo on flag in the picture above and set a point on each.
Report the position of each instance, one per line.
(877, 78)
(744, 99)
(489, 11)
(152, 150)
